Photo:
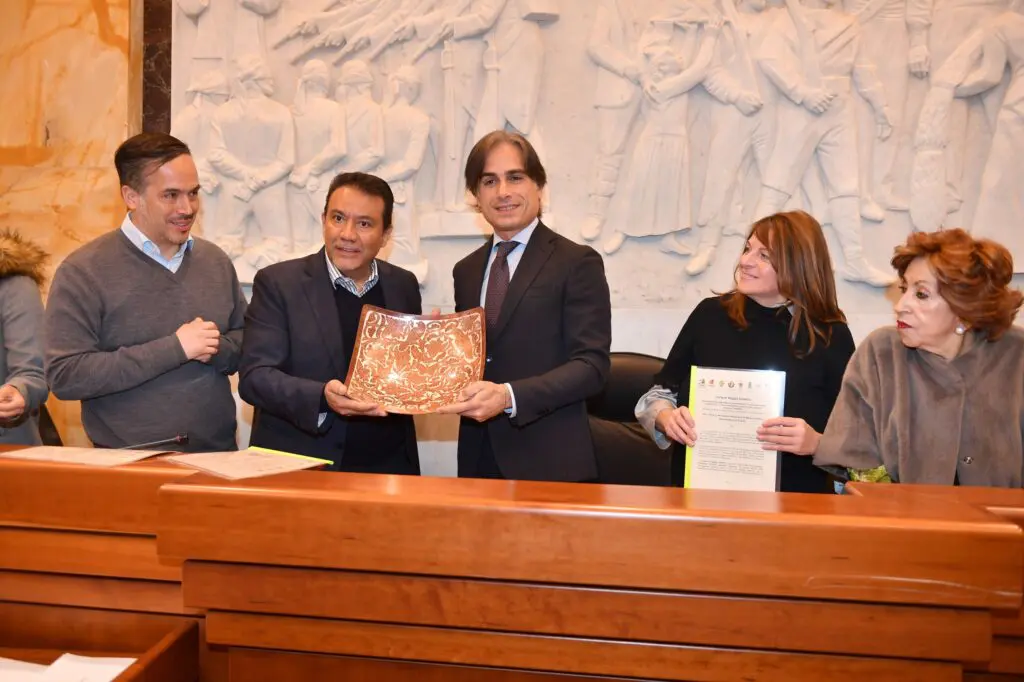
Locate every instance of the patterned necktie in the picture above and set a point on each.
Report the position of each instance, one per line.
(497, 283)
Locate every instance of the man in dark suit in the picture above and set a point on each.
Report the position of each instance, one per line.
(300, 331)
(548, 328)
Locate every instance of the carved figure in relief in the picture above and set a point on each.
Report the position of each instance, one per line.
(977, 67)
(514, 61)
(999, 214)
(317, 24)
(884, 43)
(462, 81)
(223, 23)
(938, 28)
(247, 26)
(612, 46)
(194, 123)
(390, 29)
(741, 123)
(348, 28)
(656, 192)
(373, 28)
(360, 144)
(318, 136)
(208, 44)
(253, 148)
(406, 134)
(811, 57)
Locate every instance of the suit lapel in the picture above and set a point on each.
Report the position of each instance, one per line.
(394, 297)
(320, 293)
(538, 250)
(474, 284)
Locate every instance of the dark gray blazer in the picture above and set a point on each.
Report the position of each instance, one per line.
(293, 346)
(551, 343)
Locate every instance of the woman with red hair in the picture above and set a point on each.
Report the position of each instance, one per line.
(939, 398)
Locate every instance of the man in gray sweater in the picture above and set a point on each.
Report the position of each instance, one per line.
(144, 324)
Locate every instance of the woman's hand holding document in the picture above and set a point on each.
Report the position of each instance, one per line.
(731, 406)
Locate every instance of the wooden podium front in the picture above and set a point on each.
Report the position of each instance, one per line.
(315, 575)
(1007, 660)
(79, 570)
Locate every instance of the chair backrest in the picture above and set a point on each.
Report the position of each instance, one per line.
(631, 375)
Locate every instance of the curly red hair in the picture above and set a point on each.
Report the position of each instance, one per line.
(973, 275)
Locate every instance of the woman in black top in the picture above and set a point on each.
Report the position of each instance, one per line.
(781, 315)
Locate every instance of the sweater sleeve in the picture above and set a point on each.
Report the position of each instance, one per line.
(850, 439)
(77, 367)
(21, 319)
(230, 352)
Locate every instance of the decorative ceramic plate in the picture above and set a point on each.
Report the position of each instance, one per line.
(414, 364)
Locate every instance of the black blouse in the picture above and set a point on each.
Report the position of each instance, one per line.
(710, 339)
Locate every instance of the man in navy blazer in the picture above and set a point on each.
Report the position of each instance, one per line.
(300, 331)
(549, 328)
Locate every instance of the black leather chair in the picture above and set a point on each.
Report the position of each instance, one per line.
(625, 453)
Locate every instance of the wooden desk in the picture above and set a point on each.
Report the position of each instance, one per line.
(1007, 660)
(78, 554)
(166, 648)
(322, 575)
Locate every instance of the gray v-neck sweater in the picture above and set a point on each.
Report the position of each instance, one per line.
(111, 319)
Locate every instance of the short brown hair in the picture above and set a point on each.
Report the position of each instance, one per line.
(141, 154)
(482, 149)
(799, 254)
(973, 274)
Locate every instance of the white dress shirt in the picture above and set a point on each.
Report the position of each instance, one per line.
(513, 258)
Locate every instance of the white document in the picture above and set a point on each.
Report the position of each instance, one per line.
(20, 671)
(100, 457)
(72, 668)
(248, 463)
(728, 406)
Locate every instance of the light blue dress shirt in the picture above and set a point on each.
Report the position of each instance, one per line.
(148, 247)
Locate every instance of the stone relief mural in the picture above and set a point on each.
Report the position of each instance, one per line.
(666, 125)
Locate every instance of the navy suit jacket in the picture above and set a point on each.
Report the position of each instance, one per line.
(293, 346)
(551, 343)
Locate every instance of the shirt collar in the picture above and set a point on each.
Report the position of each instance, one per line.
(523, 236)
(338, 279)
(147, 245)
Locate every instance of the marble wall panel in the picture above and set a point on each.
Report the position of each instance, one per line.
(67, 90)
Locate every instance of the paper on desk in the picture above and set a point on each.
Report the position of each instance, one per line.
(248, 463)
(20, 671)
(100, 457)
(72, 668)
